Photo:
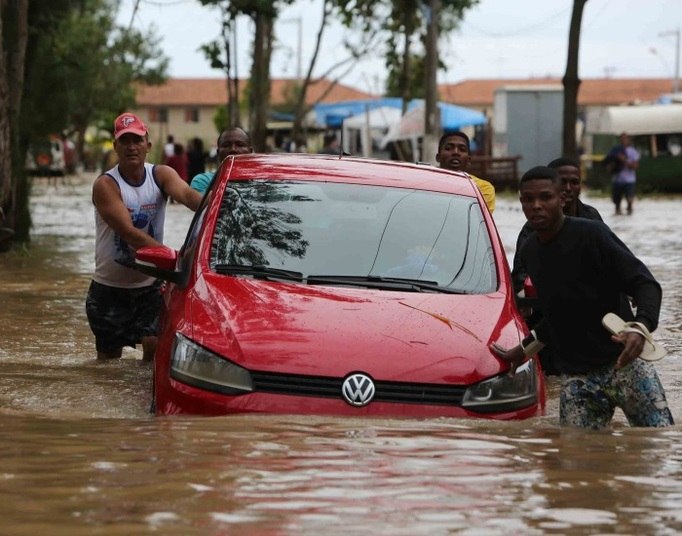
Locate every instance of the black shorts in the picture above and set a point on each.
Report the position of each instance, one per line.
(622, 189)
(122, 316)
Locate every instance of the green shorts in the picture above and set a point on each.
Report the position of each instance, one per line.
(590, 400)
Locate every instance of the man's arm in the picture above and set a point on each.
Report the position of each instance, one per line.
(201, 181)
(519, 272)
(632, 158)
(172, 184)
(107, 200)
(633, 276)
(515, 356)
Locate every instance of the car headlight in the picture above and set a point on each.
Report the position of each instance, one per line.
(196, 366)
(504, 392)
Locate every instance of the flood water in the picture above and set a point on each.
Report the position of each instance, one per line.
(80, 454)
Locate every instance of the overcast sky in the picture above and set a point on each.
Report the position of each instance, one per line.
(497, 39)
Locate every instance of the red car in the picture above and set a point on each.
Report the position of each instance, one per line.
(313, 284)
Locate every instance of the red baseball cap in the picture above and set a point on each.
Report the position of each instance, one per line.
(129, 123)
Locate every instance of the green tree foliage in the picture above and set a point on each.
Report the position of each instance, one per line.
(355, 49)
(395, 78)
(404, 24)
(220, 54)
(84, 70)
(263, 13)
(64, 65)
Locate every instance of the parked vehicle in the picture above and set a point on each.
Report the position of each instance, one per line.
(46, 158)
(656, 132)
(311, 284)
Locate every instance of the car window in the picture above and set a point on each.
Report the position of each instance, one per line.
(322, 228)
(188, 249)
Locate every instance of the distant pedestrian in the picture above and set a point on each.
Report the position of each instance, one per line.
(169, 147)
(580, 270)
(232, 141)
(454, 153)
(196, 157)
(622, 162)
(178, 161)
(330, 145)
(296, 145)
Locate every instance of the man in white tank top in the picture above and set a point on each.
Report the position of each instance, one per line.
(130, 206)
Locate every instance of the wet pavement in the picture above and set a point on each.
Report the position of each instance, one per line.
(82, 455)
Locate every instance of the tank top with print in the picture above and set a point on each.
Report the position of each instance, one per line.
(146, 205)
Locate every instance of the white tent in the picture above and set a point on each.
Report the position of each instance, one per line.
(371, 125)
(635, 120)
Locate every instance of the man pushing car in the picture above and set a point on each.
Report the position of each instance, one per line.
(123, 304)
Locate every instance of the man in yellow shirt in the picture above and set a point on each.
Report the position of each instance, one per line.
(454, 154)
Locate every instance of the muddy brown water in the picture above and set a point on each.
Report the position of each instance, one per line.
(80, 454)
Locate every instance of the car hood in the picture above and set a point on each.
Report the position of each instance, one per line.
(332, 331)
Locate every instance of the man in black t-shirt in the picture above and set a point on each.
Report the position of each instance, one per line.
(580, 270)
(571, 180)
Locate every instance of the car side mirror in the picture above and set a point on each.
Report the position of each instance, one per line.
(160, 262)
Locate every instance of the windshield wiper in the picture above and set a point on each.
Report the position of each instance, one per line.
(376, 281)
(259, 271)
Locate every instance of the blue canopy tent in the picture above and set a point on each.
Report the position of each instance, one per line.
(332, 114)
(452, 116)
(408, 128)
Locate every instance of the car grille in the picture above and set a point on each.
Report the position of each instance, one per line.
(322, 386)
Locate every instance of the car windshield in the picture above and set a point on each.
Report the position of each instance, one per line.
(354, 233)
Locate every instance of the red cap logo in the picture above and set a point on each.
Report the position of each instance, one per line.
(129, 123)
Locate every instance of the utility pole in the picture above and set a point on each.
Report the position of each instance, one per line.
(299, 50)
(431, 115)
(676, 33)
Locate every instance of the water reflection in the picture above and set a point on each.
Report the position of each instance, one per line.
(81, 455)
(271, 475)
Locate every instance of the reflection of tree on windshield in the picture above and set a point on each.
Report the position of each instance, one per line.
(251, 228)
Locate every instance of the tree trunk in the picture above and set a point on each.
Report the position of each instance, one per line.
(405, 70)
(431, 112)
(227, 28)
(5, 145)
(229, 32)
(234, 103)
(571, 82)
(260, 80)
(301, 108)
(13, 181)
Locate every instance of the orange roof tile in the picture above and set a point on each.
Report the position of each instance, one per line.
(477, 93)
(213, 92)
(593, 91)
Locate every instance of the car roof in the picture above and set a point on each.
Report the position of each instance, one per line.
(300, 166)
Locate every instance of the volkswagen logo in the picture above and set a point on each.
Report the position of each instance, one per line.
(358, 389)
